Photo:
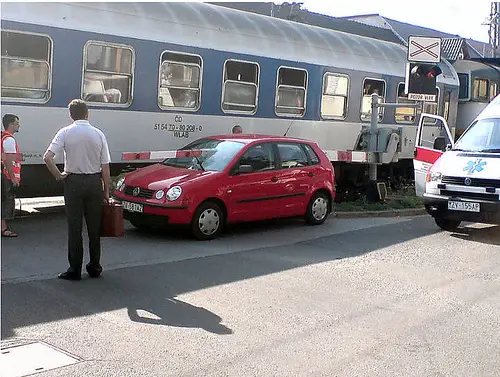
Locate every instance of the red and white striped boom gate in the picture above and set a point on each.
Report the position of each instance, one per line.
(334, 156)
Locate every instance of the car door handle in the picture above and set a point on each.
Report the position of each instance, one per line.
(311, 174)
(274, 179)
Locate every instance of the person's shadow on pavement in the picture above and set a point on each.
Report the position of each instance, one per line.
(173, 312)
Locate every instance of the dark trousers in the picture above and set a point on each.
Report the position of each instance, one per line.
(83, 197)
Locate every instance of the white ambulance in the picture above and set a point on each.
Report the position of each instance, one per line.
(460, 181)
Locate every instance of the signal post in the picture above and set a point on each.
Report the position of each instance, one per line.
(422, 69)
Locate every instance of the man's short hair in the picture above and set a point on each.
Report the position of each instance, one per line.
(8, 119)
(78, 109)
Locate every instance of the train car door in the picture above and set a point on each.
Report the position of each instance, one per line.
(430, 143)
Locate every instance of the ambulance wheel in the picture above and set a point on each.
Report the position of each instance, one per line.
(447, 224)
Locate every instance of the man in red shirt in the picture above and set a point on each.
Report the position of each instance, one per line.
(11, 170)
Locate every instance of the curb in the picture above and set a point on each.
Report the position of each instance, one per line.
(388, 213)
(340, 215)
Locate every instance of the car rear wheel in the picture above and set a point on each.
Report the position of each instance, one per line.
(447, 224)
(317, 210)
(208, 221)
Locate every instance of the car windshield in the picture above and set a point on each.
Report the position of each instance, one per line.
(481, 136)
(209, 154)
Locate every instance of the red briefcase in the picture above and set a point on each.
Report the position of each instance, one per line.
(112, 220)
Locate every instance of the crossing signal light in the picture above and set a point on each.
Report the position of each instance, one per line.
(421, 81)
(427, 70)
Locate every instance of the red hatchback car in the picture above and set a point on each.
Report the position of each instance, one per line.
(228, 179)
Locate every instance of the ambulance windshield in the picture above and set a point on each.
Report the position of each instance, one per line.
(481, 136)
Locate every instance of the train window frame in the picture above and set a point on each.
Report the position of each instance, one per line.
(446, 100)
(477, 98)
(346, 105)
(409, 103)
(468, 98)
(381, 114)
(50, 64)
(495, 85)
(132, 73)
(200, 83)
(429, 121)
(223, 90)
(277, 88)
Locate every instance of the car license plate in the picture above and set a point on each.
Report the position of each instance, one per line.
(464, 206)
(132, 207)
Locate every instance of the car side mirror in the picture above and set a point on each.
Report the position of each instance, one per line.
(244, 169)
(448, 147)
(440, 143)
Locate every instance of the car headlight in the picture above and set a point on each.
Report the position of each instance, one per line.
(174, 192)
(119, 185)
(434, 176)
(159, 194)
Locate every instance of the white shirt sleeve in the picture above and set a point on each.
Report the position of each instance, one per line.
(9, 145)
(57, 144)
(105, 156)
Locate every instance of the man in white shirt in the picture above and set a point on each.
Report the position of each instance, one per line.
(11, 170)
(86, 178)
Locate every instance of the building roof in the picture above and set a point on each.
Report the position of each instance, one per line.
(404, 30)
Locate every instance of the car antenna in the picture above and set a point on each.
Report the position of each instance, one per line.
(288, 129)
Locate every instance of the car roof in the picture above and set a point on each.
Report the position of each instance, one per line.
(250, 138)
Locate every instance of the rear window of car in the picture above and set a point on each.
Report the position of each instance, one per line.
(311, 154)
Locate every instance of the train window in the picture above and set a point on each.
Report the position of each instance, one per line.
(431, 108)
(107, 73)
(240, 88)
(291, 92)
(26, 66)
(371, 86)
(493, 90)
(180, 81)
(404, 114)
(480, 91)
(447, 99)
(464, 86)
(334, 98)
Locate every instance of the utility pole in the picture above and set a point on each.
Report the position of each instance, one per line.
(494, 23)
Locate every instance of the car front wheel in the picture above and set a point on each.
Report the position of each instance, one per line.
(207, 221)
(317, 210)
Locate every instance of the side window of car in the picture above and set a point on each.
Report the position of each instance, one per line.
(292, 155)
(259, 157)
(311, 154)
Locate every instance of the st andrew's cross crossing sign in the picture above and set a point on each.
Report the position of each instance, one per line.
(424, 49)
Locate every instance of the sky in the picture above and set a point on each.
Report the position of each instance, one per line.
(449, 16)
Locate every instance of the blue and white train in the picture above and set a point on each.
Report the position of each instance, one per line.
(159, 75)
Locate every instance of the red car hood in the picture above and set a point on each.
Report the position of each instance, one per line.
(159, 177)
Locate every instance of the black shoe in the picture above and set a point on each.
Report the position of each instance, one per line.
(69, 276)
(94, 272)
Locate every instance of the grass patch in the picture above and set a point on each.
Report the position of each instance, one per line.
(403, 199)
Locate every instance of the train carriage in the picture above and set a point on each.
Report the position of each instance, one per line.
(479, 84)
(159, 75)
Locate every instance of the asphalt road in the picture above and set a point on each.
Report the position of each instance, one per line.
(355, 297)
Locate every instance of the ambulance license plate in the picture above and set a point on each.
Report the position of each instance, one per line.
(464, 206)
(132, 207)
